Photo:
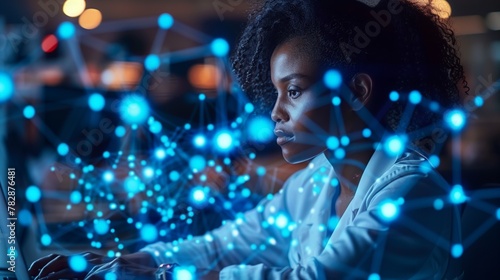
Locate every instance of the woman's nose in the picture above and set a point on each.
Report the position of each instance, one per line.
(279, 113)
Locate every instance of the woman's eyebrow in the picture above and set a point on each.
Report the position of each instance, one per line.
(293, 76)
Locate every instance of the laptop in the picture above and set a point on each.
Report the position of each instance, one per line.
(7, 256)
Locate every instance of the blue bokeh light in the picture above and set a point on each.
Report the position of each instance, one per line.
(415, 97)
(197, 163)
(66, 30)
(46, 240)
(6, 87)
(96, 102)
(332, 79)
(25, 217)
(149, 233)
(261, 171)
(33, 194)
(132, 185)
(75, 197)
(478, 101)
(152, 62)
(174, 175)
(148, 172)
(29, 112)
(249, 108)
(395, 145)
(198, 196)
(134, 109)
(101, 227)
(455, 119)
(394, 96)
(199, 141)
(260, 129)
(224, 141)
(457, 195)
(165, 21)
(182, 273)
(374, 276)
(160, 153)
(77, 263)
(367, 133)
(219, 47)
(457, 250)
(281, 221)
(63, 149)
(332, 143)
(388, 211)
(108, 176)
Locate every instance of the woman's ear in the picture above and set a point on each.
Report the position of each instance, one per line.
(361, 87)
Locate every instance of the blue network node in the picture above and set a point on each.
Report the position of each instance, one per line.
(96, 102)
(395, 145)
(66, 30)
(101, 227)
(33, 194)
(415, 97)
(134, 109)
(6, 87)
(197, 163)
(165, 21)
(457, 195)
(29, 112)
(182, 273)
(388, 211)
(149, 233)
(152, 62)
(63, 149)
(108, 176)
(394, 96)
(224, 141)
(249, 108)
(219, 47)
(77, 263)
(281, 221)
(455, 119)
(199, 141)
(332, 143)
(332, 79)
(260, 129)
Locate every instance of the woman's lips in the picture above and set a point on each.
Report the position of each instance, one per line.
(283, 137)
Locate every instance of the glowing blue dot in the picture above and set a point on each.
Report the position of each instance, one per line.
(152, 62)
(455, 119)
(199, 141)
(339, 153)
(332, 143)
(344, 141)
(457, 250)
(174, 176)
(260, 129)
(478, 101)
(120, 131)
(366, 133)
(249, 108)
(148, 172)
(96, 102)
(63, 149)
(246, 192)
(438, 204)
(457, 194)
(25, 217)
(219, 47)
(434, 106)
(149, 233)
(197, 162)
(199, 195)
(75, 197)
(110, 276)
(6, 87)
(183, 274)
(134, 109)
(415, 97)
(90, 207)
(165, 21)
(33, 194)
(389, 211)
(498, 214)
(160, 153)
(66, 30)
(336, 101)
(202, 97)
(395, 145)
(332, 79)
(155, 127)
(101, 226)
(374, 276)
(132, 185)
(281, 221)
(108, 176)
(29, 112)
(394, 96)
(434, 160)
(77, 263)
(261, 171)
(187, 126)
(46, 240)
(224, 141)
(106, 154)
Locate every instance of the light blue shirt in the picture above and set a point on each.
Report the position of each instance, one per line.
(290, 236)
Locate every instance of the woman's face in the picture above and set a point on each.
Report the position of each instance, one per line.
(303, 112)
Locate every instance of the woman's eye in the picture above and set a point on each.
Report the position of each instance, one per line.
(293, 93)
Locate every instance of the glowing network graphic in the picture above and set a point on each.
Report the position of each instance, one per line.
(168, 175)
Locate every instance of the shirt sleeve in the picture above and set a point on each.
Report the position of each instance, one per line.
(245, 240)
(398, 249)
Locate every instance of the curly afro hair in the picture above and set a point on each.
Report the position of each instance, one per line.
(412, 49)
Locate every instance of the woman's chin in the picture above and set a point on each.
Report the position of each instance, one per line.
(295, 158)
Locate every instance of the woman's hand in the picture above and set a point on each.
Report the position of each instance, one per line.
(56, 266)
(125, 267)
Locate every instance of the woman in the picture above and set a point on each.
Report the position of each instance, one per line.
(373, 214)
